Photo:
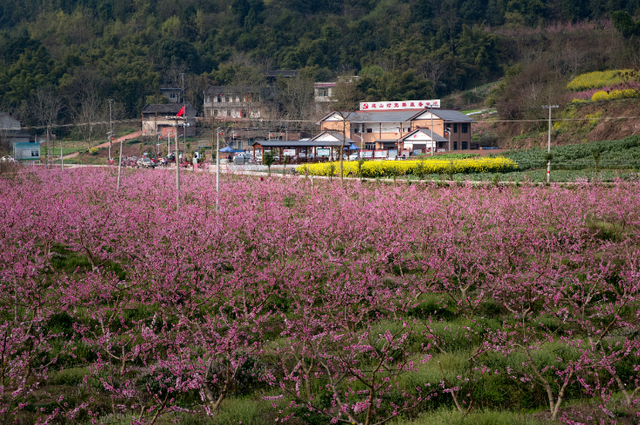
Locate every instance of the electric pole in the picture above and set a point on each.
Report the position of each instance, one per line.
(120, 164)
(218, 167)
(110, 128)
(48, 146)
(433, 141)
(177, 170)
(184, 135)
(549, 107)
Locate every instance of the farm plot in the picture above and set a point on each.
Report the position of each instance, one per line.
(616, 154)
(312, 301)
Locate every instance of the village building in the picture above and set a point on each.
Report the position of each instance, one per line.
(11, 132)
(393, 129)
(233, 103)
(324, 96)
(158, 120)
(236, 103)
(173, 94)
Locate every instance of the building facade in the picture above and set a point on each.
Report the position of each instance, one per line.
(324, 96)
(11, 132)
(173, 94)
(386, 130)
(158, 120)
(235, 103)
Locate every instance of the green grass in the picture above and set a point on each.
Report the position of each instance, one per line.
(453, 417)
(65, 151)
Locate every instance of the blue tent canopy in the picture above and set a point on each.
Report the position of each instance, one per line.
(353, 147)
(230, 150)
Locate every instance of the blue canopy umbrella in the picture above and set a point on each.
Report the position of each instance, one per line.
(353, 147)
(227, 149)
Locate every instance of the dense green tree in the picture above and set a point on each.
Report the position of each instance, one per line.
(624, 23)
(132, 45)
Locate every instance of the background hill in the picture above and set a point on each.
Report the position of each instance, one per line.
(84, 52)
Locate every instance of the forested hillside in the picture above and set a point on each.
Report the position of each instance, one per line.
(86, 51)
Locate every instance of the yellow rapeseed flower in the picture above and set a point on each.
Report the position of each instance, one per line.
(372, 169)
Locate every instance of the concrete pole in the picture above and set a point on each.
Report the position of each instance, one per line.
(110, 128)
(218, 167)
(48, 146)
(549, 107)
(433, 142)
(120, 164)
(549, 149)
(177, 170)
(61, 155)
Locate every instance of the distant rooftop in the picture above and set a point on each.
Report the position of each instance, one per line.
(285, 73)
(164, 108)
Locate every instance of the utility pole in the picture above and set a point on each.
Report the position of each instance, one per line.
(110, 128)
(48, 146)
(433, 142)
(61, 155)
(184, 135)
(549, 107)
(120, 164)
(177, 170)
(218, 167)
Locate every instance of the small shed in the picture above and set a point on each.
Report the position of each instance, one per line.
(26, 151)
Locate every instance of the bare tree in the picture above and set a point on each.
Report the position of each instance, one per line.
(45, 107)
(297, 98)
(346, 95)
(173, 75)
(91, 115)
(432, 70)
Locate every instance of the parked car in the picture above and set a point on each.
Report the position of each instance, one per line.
(146, 163)
(353, 157)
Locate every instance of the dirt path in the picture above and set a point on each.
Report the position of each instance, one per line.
(121, 139)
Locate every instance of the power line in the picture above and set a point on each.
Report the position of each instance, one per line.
(139, 120)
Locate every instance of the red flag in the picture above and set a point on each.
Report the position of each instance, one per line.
(181, 112)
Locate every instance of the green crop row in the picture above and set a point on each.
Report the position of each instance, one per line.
(619, 154)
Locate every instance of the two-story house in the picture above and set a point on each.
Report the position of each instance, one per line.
(388, 129)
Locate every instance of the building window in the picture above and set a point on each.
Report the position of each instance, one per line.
(35, 153)
(369, 130)
(465, 128)
(323, 92)
(455, 127)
